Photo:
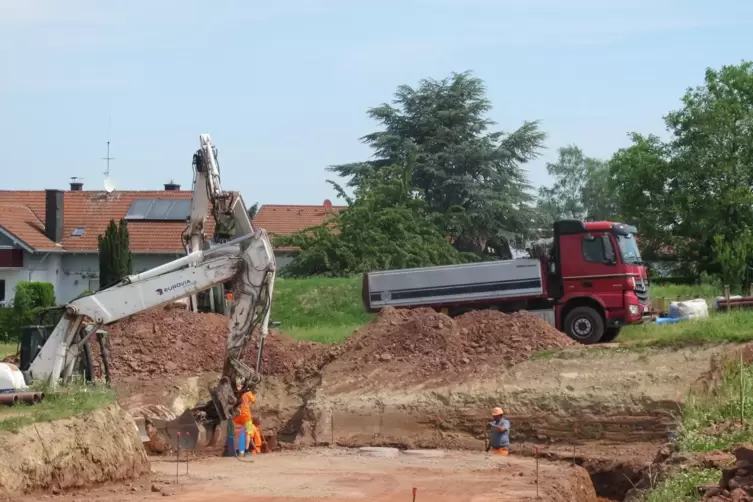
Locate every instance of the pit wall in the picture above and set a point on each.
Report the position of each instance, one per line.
(90, 449)
(605, 395)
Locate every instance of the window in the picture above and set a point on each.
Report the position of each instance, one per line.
(2, 290)
(11, 258)
(598, 249)
(77, 232)
(629, 249)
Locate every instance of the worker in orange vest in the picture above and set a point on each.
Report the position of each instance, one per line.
(245, 417)
(499, 433)
(256, 436)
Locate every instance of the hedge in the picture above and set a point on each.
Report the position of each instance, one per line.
(30, 299)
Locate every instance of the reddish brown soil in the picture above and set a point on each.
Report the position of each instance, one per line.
(165, 342)
(169, 342)
(736, 483)
(432, 343)
(324, 475)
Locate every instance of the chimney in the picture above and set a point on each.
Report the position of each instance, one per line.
(53, 214)
(327, 204)
(172, 187)
(76, 184)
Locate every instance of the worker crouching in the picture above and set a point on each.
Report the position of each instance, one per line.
(245, 420)
(499, 433)
(256, 437)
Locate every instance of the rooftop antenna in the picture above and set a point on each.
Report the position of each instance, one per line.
(109, 184)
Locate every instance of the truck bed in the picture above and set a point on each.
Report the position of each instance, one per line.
(453, 284)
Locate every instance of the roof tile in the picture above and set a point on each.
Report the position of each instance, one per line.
(22, 214)
(21, 221)
(92, 211)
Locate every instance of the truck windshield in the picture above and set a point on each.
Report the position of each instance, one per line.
(629, 249)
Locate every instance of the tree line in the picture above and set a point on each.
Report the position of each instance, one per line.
(445, 186)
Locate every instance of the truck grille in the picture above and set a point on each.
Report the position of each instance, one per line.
(641, 291)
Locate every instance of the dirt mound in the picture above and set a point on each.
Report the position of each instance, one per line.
(291, 359)
(508, 337)
(737, 481)
(170, 341)
(94, 448)
(166, 342)
(432, 342)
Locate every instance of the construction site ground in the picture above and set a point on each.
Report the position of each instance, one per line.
(341, 474)
(415, 380)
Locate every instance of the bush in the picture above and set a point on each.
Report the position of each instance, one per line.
(10, 325)
(33, 295)
(30, 299)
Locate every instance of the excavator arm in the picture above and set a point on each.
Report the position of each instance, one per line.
(247, 261)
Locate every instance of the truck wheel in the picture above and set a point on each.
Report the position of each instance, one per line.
(610, 334)
(584, 325)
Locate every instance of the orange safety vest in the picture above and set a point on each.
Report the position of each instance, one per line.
(244, 409)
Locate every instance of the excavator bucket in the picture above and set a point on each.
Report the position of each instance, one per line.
(165, 435)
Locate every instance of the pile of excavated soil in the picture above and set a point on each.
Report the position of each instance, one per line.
(736, 483)
(434, 343)
(94, 448)
(291, 359)
(166, 342)
(163, 342)
(508, 337)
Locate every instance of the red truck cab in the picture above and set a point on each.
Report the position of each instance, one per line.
(596, 279)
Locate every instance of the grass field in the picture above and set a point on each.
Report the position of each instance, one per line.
(322, 310)
(65, 402)
(8, 349)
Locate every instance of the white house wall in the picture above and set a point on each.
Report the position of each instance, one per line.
(37, 267)
(81, 271)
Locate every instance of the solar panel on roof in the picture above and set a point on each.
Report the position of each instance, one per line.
(180, 210)
(159, 209)
(139, 208)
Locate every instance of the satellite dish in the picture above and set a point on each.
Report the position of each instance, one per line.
(109, 185)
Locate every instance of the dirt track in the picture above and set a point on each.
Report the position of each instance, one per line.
(326, 474)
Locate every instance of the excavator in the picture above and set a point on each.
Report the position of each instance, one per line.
(247, 262)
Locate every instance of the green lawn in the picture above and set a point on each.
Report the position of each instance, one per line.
(65, 402)
(735, 326)
(8, 349)
(320, 309)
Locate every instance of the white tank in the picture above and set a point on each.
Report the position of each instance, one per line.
(11, 378)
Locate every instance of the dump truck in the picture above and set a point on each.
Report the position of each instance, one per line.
(589, 284)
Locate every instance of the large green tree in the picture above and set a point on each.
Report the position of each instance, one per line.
(384, 227)
(580, 189)
(115, 261)
(471, 178)
(642, 184)
(695, 192)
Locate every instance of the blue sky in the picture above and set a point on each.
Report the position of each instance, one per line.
(283, 87)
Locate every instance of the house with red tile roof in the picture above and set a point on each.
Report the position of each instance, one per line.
(287, 220)
(51, 235)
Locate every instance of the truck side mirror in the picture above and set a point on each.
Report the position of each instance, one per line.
(606, 245)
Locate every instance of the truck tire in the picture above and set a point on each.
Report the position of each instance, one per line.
(610, 334)
(584, 325)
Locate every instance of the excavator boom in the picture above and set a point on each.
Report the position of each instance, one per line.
(246, 261)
